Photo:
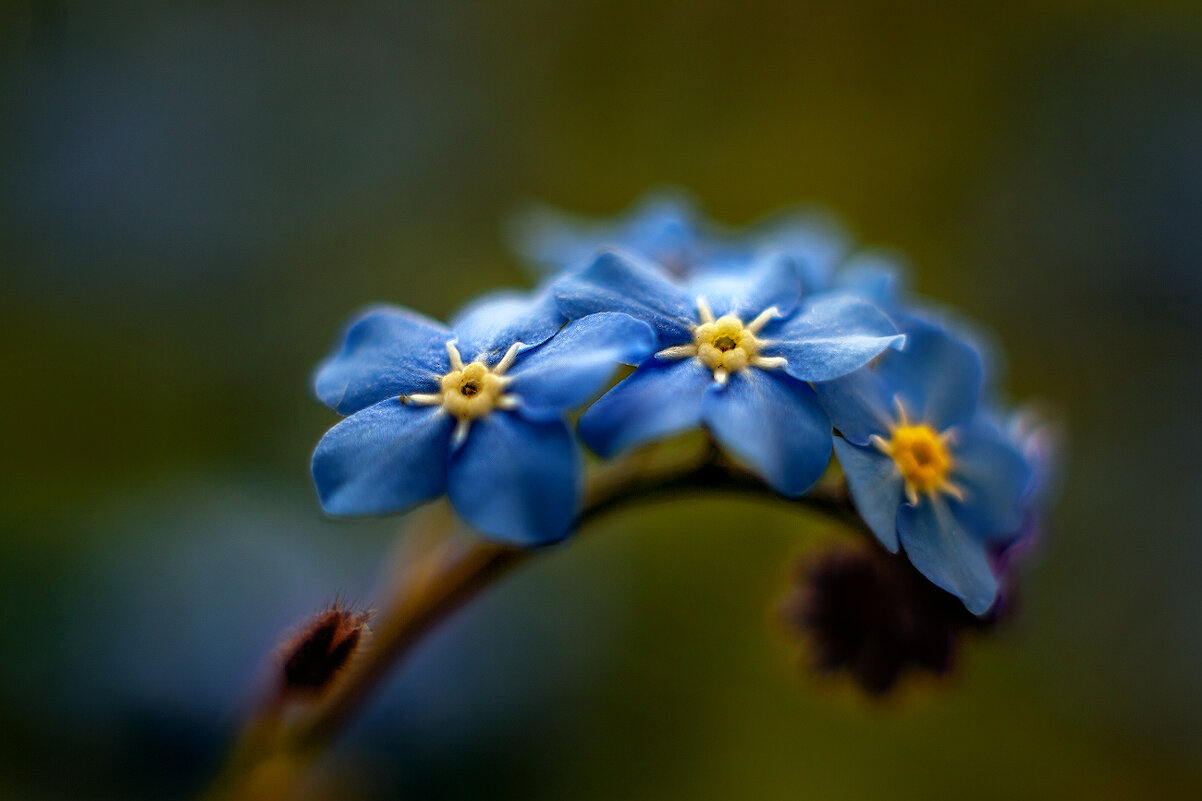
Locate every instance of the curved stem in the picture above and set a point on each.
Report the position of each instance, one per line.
(274, 750)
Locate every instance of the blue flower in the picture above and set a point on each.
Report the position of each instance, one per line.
(667, 230)
(928, 470)
(475, 410)
(1040, 442)
(815, 241)
(734, 352)
(664, 228)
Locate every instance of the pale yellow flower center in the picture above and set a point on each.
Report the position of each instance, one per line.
(725, 345)
(470, 391)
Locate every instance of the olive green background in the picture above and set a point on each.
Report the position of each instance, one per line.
(193, 198)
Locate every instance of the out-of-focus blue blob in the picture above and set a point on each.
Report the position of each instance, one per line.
(663, 227)
(938, 380)
(992, 474)
(815, 240)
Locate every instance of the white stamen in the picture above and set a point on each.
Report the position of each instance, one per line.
(903, 419)
(461, 429)
(704, 312)
(953, 490)
(911, 494)
(507, 360)
(453, 352)
(423, 398)
(508, 402)
(721, 375)
(762, 319)
(677, 352)
(769, 362)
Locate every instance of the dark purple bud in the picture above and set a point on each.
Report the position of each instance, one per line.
(872, 615)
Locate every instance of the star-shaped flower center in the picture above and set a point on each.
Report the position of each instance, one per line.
(725, 345)
(471, 391)
(921, 455)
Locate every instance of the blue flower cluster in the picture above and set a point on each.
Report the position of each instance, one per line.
(778, 341)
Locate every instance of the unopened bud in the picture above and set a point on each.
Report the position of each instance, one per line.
(317, 653)
(872, 615)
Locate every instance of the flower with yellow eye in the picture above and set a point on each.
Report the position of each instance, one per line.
(927, 469)
(475, 410)
(735, 349)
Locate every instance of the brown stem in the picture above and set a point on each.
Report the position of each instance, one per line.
(438, 579)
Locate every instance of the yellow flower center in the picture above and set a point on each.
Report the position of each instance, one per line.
(726, 345)
(922, 457)
(470, 391)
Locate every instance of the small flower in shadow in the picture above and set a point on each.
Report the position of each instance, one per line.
(872, 615)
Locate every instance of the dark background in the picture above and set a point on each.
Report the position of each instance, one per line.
(193, 197)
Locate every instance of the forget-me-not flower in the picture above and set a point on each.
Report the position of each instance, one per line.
(475, 410)
(662, 227)
(927, 469)
(668, 230)
(734, 350)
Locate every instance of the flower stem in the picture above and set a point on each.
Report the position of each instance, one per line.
(441, 571)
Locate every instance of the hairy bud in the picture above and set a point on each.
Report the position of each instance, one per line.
(313, 657)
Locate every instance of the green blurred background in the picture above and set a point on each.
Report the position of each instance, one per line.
(193, 197)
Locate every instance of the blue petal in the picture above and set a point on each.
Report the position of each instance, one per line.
(994, 477)
(577, 363)
(814, 240)
(657, 400)
(772, 423)
(516, 480)
(831, 336)
(488, 326)
(872, 276)
(859, 405)
(386, 352)
(662, 226)
(876, 488)
(383, 459)
(770, 281)
(946, 553)
(937, 376)
(617, 282)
